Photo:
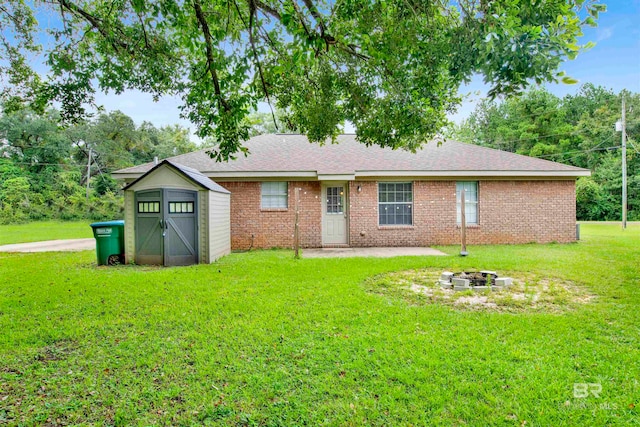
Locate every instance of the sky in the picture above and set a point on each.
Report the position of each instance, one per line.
(614, 63)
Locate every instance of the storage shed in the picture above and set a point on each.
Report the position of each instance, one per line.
(174, 215)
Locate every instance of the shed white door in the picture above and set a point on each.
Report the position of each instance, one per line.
(334, 215)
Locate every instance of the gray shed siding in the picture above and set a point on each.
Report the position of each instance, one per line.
(214, 235)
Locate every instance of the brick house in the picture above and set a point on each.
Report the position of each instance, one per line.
(353, 195)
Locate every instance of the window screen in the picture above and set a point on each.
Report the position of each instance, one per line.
(274, 195)
(470, 201)
(335, 197)
(395, 203)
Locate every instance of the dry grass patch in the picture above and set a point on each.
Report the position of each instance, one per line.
(529, 292)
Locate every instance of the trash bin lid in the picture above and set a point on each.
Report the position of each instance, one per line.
(117, 222)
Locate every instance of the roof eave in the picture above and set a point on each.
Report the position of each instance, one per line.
(261, 174)
(476, 173)
(372, 174)
(127, 175)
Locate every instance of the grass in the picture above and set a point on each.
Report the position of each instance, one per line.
(259, 338)
(44, 230)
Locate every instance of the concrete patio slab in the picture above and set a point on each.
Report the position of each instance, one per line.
(369, 252)
(68, 245)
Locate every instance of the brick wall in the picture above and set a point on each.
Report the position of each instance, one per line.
(273, 227)
(525, 211)
(508, 212)
(433, 207)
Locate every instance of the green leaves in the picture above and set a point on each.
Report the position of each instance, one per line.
(391, 67)
(569, 80)
(577, 130)
(43, 164)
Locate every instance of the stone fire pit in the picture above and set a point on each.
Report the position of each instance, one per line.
(474, 280)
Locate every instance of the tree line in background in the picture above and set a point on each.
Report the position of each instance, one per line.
(43, 161)
(43, 165)
(578, 130)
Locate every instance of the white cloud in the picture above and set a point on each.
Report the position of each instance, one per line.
(604, 33)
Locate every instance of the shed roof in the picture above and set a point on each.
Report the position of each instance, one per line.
(294, 156)
(192, 174)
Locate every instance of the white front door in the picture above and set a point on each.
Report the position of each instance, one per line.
(334, 214)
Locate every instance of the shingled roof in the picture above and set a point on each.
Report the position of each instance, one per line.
(193, 175)
(280, 155)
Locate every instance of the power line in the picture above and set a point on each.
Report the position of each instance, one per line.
(561, 103)
(59, 164)
(47, 164)
(633, 145)
(587, 151)
(522, 116)
(580, 151)
(538, 137)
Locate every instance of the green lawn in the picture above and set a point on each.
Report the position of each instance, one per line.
(44, 230)
(259, 338)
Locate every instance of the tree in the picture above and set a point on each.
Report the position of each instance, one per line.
(589, 200)
(115, 140)
(14, 200)
(43, 164)
(165, 142)
(36, 144)
(103, 184)
(588, 99)
(531, 124)
(263, 123)
(577, 130)
(391, 67)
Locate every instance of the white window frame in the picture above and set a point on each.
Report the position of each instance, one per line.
(381, 205)
(470, 200)
(274, 195)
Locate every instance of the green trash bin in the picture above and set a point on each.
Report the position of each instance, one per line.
(109, 242)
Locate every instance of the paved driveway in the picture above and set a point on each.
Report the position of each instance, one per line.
(369, 252)
(51, 246)
(90, 244)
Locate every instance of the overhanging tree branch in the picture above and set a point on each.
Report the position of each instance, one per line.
(252, 13)
(267, 9)
(202, 22)
(96, 23)
(316, 15)
(142, 26)
(404, 59)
